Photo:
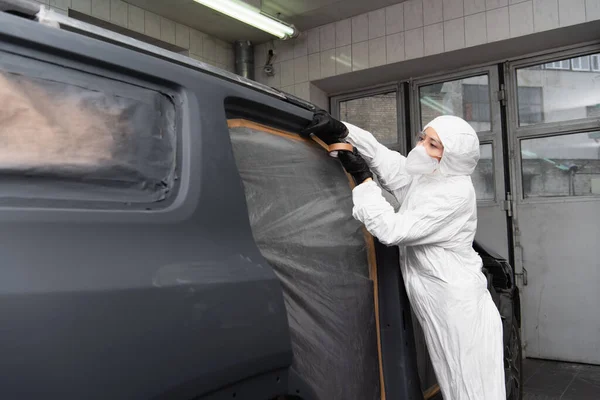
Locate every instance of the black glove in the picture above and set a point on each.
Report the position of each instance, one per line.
(326, 128)
(355, 165)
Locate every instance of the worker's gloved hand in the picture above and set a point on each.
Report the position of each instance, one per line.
(326, 128)
(355, 165)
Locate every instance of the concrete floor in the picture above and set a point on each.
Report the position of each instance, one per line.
(549, 380)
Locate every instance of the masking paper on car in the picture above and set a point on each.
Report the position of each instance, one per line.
(299, 202)
(68, 135)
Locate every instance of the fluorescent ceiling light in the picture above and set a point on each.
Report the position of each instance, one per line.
(251, 16)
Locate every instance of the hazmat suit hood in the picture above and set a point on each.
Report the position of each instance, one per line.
(461, 145)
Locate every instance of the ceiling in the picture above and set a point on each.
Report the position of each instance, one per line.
(304, 14)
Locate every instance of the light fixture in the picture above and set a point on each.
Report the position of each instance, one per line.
(251, 16)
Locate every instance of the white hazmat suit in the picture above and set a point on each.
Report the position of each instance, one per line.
(436, 224)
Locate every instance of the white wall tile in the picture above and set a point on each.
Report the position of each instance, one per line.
(433, 36)
(314, 66)
(289, 89)
(516, 1)
(433, 11)
(101, 9)
(493, 4)
(275, 80)
(453, 9)
(301, 69)
(135, 20)
(84, 6)
(327, 37)
(61, 4)
(454, 34)
(118, 12)
(475, 30)
(394, 19)
(545, 15)
(413, 46)
(313, 41)
(259, 75)
(571, 12)
(151, 24)
(474, 6)
(319, 97)
(302, 90)
(59, 11)
(497, 24)
(209, 49)
(287, 73)
(301, 45)
(260, 52)
(223, 49)
(360, 56)
(377, 23)
(167, 32)
(196, 39)
(360, 28)
(413, 14)
(343, 56)
(377, 52)
(327, 63)
(284, 50)
(182, 37)
(395, 47)
(521, 19)
(343, 33)
(592, 10)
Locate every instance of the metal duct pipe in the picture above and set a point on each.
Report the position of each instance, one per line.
(244, 58)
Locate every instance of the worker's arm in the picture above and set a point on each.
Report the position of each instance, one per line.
(387, 164)
(435, 222)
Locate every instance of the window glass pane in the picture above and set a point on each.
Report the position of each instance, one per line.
(561, 91)
(377, 114)
(567, 165)
(467, 98)
(483, 176)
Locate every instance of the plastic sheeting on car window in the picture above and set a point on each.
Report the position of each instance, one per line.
(77, 138)
(299, 201)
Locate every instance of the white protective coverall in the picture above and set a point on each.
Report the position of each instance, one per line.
(442, 273)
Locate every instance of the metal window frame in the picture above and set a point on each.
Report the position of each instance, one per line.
(372, 91)
(544, 127)
(492, 136)
(580, 61)
(516, 133)
(597, 58)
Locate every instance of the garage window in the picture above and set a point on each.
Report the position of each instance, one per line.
(561, 91)
(468, 98)
(559, 166)
(377, 114)
(68, 135)
(483, 176)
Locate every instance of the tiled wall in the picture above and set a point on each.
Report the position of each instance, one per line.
(200, 45)
(410, 30)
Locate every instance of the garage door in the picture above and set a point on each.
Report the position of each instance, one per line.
(554, 132)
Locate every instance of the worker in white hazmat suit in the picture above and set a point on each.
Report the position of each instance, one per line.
(436, 227)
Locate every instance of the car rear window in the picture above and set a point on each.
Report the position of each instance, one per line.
(70, 135)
